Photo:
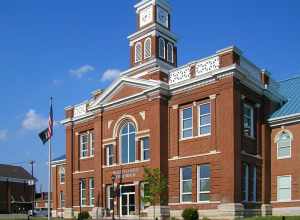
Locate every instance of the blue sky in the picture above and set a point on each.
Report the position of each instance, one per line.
(63, 48)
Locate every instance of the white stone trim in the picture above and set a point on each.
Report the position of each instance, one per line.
(194, 156)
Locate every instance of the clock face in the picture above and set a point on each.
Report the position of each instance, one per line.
(146, 16)
(162, 17)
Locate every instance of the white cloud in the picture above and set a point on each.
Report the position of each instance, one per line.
(110, 75)
(81, 71)
(34, 121)
(3, 135)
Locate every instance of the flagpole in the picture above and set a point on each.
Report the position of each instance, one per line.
(49, 177)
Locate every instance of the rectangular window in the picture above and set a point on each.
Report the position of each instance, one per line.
(62, 199)
(284, 146)
(92, 144)
(254, 187)
(204, 183)
(84, 141)
(92, 188)
(284, 188)
(145, 148)
(110, 197)
(248, 120)
(245, 182)
(204, 119)
(83, 193)
(186, 184)
(187, 122)
(144, 194)
(109, 155)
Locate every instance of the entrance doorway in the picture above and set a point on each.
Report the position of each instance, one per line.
(127, 200)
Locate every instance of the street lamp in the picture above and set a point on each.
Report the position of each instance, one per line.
(113, 178)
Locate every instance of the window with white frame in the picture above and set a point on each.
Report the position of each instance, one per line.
(254, 187)
(170, 53)
(187, 122)
(284, 188)
(92, 189)
(248, 120)
(204, 174)
(109, 155)
(245, 182)
(128, 145)
(138, 52)
(162, 48)
(62, 175)
(109, 197)
(144, 193)
(204, 119)
(84, 142)
(147, 48)
(62, 199)
(83, 192)
(186, 184)
(145, 148)
(284, 145)
(92, 144)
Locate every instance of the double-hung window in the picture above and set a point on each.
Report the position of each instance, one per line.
(109, 155)
(92, 189)
(254, 187)
(144, 194)
(92, 144)
(186, 184)
(284, 188)
(83, 192)
(248, 120)
(145, 148)
(284, 146)
(204, 119)
(84, 142)
(62, 199)
(187, 122)
(204, 174)
(110, 197)
(62, 175)
(245, 182)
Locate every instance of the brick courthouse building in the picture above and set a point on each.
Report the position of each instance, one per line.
(220, 128)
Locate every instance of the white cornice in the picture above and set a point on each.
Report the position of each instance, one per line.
(284, 120)
(145, 3)
(153, 27)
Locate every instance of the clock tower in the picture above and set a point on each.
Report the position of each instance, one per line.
(153, 43)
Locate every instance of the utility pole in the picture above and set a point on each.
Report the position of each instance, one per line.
(32, 162)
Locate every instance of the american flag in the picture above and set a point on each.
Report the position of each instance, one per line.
(50, 123)
(46, 135)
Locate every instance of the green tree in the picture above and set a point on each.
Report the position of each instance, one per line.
(157, 189)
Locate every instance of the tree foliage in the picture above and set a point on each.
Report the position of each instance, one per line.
(158, 187)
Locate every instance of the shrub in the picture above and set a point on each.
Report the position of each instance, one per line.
(83, 215)
(190, 214)
(205, 218)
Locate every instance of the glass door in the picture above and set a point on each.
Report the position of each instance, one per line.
(127, 200)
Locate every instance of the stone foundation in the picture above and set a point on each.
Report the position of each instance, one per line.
(68, 213)
(286, 211)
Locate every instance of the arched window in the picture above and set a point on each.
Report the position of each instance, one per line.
(62, 175)
(147, 48)
(162, 48)
(138, 52)
(127, 143)
(284, 145)
(170, 55)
